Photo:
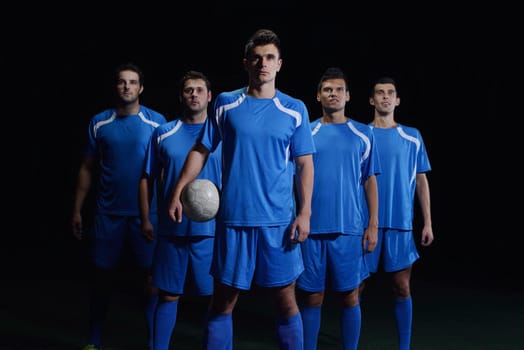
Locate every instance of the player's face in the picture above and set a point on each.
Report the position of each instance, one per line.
(195, 96)
(263, 63)
(333, 95)
(385, 98)
(128, 87)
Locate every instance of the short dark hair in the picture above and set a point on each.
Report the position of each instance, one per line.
(383, 80)
(332, 73)
(262, 37)
(132, 67)
(193, 74)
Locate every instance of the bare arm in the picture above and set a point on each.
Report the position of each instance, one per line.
(305, 172)
(145, 195)
(370, 237)
(195, 161)
(83, 185)
(423, 196)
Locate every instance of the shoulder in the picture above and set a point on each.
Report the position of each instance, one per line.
(292, 106)
(168, 126)
(153, 114)
(315, 122)
(410, 130)
(359, 125)
(103, 115)
(167, 129)
(289, 101)
(228, 97)
(366, 129)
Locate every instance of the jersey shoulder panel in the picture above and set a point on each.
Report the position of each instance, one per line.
(153, 115)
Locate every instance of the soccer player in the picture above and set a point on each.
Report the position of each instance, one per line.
(404, 164)
(346, 165)
(116, 146)
(184, 249)
(265, 136)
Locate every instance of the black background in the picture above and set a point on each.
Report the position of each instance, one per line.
(454, 69)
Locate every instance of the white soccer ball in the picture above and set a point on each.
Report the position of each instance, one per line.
(200, 200)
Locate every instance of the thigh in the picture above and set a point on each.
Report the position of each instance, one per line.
(399, 249)
(109, 232)
(234, 256)
(170, 265)
(345, 256)
(142, 250)
(200, 257)
(279, 261)
(314, 252)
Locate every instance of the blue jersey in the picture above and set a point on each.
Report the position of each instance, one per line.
(345, 157)
(165, 159)
(260, 137)
(120, 143)
(402, 155)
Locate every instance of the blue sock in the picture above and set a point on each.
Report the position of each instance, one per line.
(403, 317)
(150, 303)
(350, 322)
(311, 316)
(165, 321)
(290, 332)
(218, 333)
(100, 300)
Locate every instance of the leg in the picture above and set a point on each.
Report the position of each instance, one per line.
(288, 321)
(165, 319)
(311, 312)
(149, 304)
(100, 299)
(218, 334)
(403, 306)
(350, 319)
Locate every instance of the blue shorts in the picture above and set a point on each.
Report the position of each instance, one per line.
(113, 233)
(396, 248)
(266, 254)
(180, 258)
(335, 256)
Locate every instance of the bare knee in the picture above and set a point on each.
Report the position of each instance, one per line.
(224, 299)
(311, 299)
(402, 283)
(349, 299)
(285, 301)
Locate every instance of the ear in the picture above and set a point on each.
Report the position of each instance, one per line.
(141, 89)
(397, 102)
(371, 102)
(279, 64)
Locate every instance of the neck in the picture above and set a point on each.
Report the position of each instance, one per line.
(195, 118)
(128, 109)
(266, 90)
(334, 118)
(386, 121)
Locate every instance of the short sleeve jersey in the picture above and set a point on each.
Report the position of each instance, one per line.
(119, 143)
(260, 137)
(402, 155)
(345, 157)
(165, 159)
